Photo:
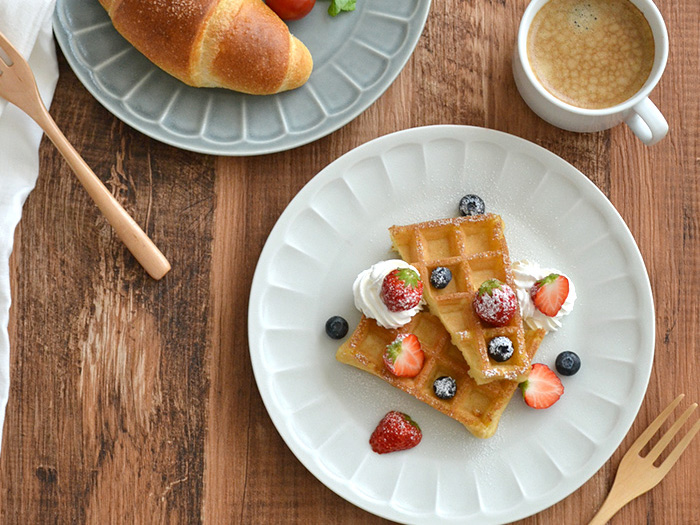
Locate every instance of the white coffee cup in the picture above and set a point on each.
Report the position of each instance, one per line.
(638, 112)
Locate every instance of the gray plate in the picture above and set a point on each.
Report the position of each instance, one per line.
(357, 55)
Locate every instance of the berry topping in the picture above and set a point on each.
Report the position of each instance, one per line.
(568, 363)
(445, 387)
(402, 289)
(396, 431)
(404, 357)
(440, 277)
(549, 293)
(495, 302)
(500, 348)
(472, 205)
(542, 388)
(336, 327)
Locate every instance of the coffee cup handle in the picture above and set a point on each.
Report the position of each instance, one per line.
(647, 122)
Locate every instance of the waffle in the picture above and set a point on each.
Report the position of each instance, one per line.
(477, 407)
(474, 249)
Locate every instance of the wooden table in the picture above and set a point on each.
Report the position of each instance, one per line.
(133, 401)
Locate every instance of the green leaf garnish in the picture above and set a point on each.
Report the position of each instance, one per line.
(341, 5)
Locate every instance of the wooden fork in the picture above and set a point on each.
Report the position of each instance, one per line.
(18, 86)
(636, 474)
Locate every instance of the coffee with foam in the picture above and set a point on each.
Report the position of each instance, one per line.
(591, 53)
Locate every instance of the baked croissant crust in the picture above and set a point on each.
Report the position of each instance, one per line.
(235, 44)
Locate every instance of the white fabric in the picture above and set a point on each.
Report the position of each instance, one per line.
(27, 24)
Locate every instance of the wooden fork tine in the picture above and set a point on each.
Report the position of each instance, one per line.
(655, 425)
(9, 49)
(637, 475)
(679, 449)
(668, 436)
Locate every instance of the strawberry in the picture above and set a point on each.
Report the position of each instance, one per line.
(542, 388)
(495, 302)
(402, 289)
(396, 431)
(404, 357)
(549, 293)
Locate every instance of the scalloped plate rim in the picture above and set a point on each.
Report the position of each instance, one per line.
(337, 170)
(244, 146)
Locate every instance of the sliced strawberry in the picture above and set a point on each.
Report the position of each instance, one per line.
(396, 431)
(402, 289)
(549, 293)
(404, 357)
(495, 302)
(542, 388)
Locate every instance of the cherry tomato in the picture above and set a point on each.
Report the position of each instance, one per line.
(291, 9)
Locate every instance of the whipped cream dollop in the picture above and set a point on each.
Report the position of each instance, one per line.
(525, 274)
(367, 288)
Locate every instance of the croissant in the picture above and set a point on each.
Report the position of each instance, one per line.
(235, 44)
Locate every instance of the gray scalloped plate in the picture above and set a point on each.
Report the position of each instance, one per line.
(357, 55)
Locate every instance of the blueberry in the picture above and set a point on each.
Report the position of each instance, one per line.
(472, 205)
(440, 277)
(336, 327)
(445, 387)
(500, 348)
(567, 363)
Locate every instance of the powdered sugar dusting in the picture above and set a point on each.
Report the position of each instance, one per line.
(366, 291)
(445, 387)
(498, 305)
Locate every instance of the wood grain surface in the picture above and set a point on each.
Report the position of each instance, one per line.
(133, 401)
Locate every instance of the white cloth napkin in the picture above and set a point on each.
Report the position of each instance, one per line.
(27, 24)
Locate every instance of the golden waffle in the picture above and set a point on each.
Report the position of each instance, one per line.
(474, 249)
(477, 407)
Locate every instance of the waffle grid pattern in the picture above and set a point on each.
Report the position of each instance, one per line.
(477, 407)
(474, 249)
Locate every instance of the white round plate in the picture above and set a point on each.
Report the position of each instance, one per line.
(357, 55)
(325, 411)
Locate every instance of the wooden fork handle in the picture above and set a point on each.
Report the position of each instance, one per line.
(131, 234)
(606, 512)
(617, 498)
